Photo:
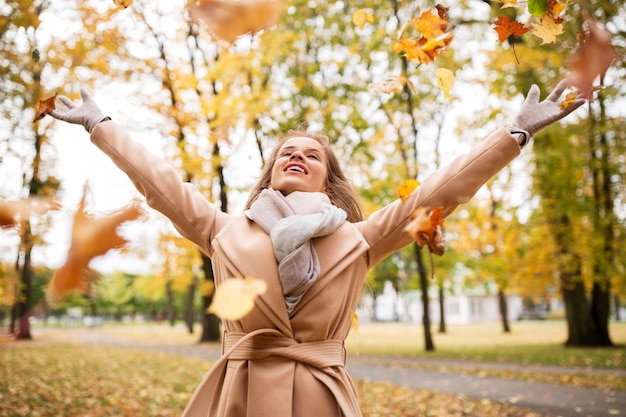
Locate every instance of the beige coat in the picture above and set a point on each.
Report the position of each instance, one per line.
(277, 365)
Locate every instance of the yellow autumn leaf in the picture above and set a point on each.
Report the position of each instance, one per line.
(445, 80)
(406, 189)
(547, 30)
(235, 297)
(355, 320)
(361, 17)
(569, 100)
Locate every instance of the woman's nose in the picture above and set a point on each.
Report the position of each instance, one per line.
(296, 155)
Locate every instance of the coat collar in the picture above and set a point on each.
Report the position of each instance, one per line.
(247, 250)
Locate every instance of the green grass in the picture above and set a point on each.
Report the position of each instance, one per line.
(529, 342)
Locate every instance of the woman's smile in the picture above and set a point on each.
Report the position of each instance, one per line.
(300, 166)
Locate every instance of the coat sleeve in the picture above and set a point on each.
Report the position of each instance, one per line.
(448, 187)
(191, 213)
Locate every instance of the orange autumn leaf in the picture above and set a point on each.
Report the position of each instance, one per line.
(123, 4)
(44, 107)
(91, 237)
(505, 27)
(406, 189)
(12, 212)
(593, 59)
(228, 20)
(425, 228)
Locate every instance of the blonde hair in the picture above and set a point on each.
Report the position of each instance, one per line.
(338, 188)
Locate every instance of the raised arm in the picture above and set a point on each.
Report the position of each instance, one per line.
(191, 213)
(457, 182)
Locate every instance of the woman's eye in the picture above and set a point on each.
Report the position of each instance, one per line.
(313, 156)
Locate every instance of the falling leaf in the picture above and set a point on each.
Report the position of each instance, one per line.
(355, 320)
(228, 20)
(425, 228)
(235, 297)
(593, 59)
(505, 27)
(554, 11)
(44, 107)
(406, 189)
(445, 80)
(91, 237)
(393, 84)
(433, 41)
(35, 55)
(547, 30)
(123, 4)
(509, 3)
(361, 17)
(12, 212)
(569, 100)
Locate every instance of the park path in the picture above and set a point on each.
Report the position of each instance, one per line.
(550, 400)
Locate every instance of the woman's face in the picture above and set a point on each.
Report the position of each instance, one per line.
(300, 165)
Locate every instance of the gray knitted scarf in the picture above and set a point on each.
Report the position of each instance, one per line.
(292, 221)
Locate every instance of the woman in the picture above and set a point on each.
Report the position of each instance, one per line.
(303, 234)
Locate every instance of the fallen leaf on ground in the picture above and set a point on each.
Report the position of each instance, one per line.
(228, 20)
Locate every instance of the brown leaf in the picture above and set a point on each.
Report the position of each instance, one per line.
(425, 228)
(593, 59)
(91, 237)
(44, 107)
(228, 20)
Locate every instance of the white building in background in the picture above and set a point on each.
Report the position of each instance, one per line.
(462, 306)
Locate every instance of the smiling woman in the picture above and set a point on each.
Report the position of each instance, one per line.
(303, 234)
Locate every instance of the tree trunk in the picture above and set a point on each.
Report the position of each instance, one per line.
(191, 295)
(600, 311)
(616, 306)
(429, 345)
(171, 311)
(504, 310)
(210, 322)
(23, 302)
(581, 329)
(442, 311)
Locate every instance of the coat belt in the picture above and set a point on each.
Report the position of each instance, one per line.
(270, 342)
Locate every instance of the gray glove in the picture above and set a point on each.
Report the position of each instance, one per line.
(88, 114)
(535, 116)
